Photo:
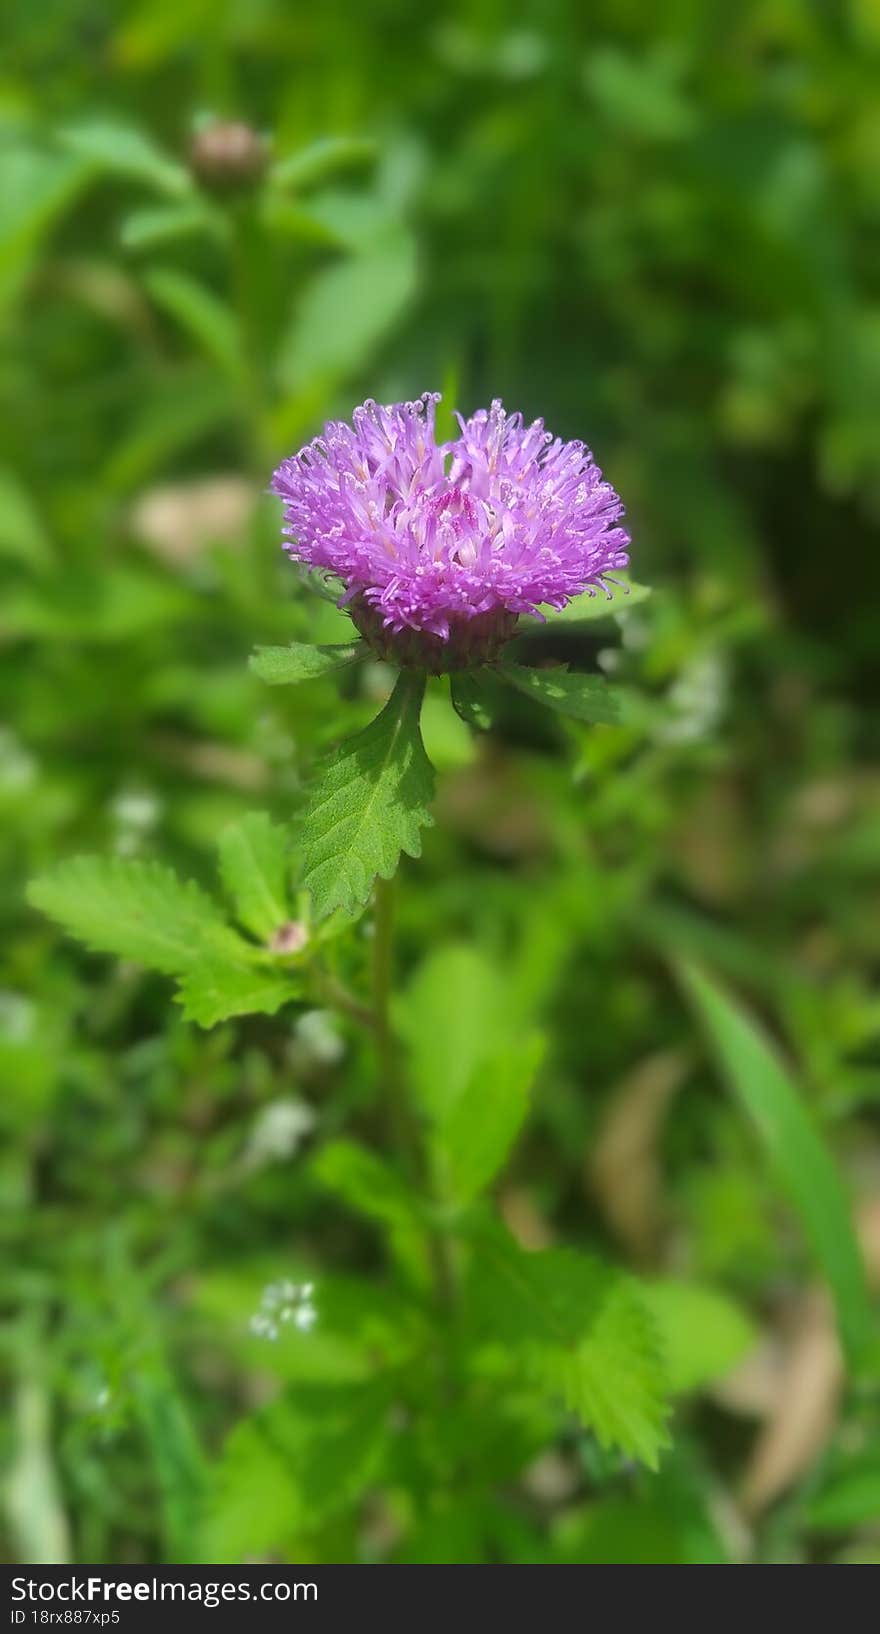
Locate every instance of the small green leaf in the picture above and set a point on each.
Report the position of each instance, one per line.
(202, 314)
(583, 697)
(254, 870)
(137, 910)
(285, 666)
(786, 1131)
(583, 1333)
(372, 1188)
(166, 224)
(321, 159)
(468, 700)
(291, 1467)
(214, 989)
(702, 1333)
(125, 151)
(365, 1182)
(474, 1141)
(600, 604)
(455, 1014)
(22, 534)
(368, 805)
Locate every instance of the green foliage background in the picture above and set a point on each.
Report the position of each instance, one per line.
(655, 226)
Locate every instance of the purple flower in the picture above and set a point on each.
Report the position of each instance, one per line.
(452, 540)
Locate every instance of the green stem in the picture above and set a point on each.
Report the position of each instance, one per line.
(404, 1127)
(246, 249)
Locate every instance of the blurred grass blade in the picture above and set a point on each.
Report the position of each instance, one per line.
(175, 1452)
(33, 1501)
(802, 1164)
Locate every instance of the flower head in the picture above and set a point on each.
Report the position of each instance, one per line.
(452, 541)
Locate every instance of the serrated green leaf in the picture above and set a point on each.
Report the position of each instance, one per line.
(285, 666)
(474, 1141)
(254, 870)
(468, 700)
(702, 1332)
(583, 697)
(803, 1166)
(202, 314)
(125, 151)
(369, 805)
(137, 910)
(214, 989)
(291, 1467)
(586, 607)
(583, 1333)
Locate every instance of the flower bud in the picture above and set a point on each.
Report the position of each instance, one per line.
(228, 156)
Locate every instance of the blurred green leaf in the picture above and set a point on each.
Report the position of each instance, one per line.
(702, 1333)
(454, 1016)
(254, 867)
(474, 1140)
(123, 150)
(799, 1159)
(178, 412)
(321, 159)
(583, 697)
(468, 700)
(22, 534)
(286, 666)
(368, 804)
(208, 320)
(366, 1183)
(850, 1499)
(601, 604)
(584, 1334)
(35, 189)
(283, 1472)
(166, 224)
(346, 312)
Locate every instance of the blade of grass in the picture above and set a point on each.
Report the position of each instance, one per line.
(793, 1146)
